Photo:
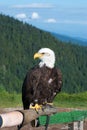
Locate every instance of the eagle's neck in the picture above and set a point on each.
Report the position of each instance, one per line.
(47, 64)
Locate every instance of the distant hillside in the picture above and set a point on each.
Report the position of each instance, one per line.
(79, 41)
(19, 41)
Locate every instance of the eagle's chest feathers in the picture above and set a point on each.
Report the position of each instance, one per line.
(47, 76)
(45, 88)
(50, 80)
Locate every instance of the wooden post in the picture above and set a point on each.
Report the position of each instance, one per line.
(80, 125)
(76, 125)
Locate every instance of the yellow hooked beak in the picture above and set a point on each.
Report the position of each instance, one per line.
(37, 55)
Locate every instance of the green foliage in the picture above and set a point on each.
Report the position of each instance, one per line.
(19, 41)
(10, 99)
(62, 100)
(73, 97)
(71, 100)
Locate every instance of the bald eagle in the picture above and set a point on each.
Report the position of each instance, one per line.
(43, 82)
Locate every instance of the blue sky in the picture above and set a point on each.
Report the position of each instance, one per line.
(68, 17)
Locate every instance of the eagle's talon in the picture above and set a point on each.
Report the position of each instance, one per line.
(37, 107)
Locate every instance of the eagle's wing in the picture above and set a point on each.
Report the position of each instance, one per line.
(29, 87)
(59, 80)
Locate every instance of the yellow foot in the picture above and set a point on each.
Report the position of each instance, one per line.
(36, 107)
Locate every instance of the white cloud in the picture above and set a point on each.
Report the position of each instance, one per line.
(24, 17)
(21, 16)
(34, 5)
(51, 20)
(35, 15)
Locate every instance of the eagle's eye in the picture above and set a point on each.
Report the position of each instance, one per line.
(43, 53)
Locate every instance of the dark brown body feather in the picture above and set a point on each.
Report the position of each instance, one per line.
(41, 85)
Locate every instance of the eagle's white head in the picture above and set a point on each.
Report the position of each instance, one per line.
(47, 57)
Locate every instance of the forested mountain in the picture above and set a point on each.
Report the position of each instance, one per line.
(19, 41)
(64, 38)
